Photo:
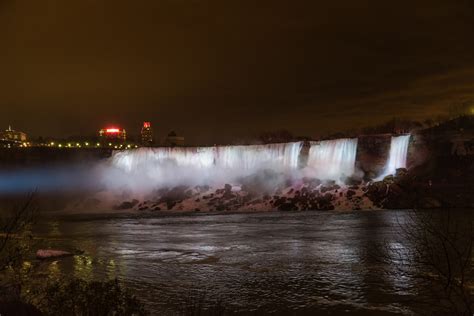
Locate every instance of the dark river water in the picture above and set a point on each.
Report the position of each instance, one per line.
(284, 263)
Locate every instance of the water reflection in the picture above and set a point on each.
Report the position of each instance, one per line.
(273, 262)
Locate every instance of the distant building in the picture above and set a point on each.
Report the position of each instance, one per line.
(113, 134)
(147, 134)
(13, 136)
(173, 140)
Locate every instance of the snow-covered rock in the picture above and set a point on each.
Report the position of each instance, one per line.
(51, 253)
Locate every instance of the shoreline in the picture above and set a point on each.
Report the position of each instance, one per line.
(111, 215)
(106, 215)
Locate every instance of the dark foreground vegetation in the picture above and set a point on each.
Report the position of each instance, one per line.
(436, 255)
(23, 291)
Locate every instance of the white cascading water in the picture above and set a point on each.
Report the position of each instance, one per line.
(332, 159)
(398, 154)
(274, 156)
(201, 165)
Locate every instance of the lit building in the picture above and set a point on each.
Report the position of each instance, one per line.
(147, 134)
(173, 140)
(13, 136)
(113, 134)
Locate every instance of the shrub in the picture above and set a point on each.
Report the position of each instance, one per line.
(78, 297)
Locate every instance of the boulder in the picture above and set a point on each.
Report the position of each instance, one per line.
(126, 205)
(228, 192)
(377, 192)
(350, 194)
(170, 204)
(228, 195)
(400, 172)
(51, 254)
(389, 179)
(324, 202)
(351, 181)
(279, 201)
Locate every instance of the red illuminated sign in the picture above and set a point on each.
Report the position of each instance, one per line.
(146, 124)
(112, 130)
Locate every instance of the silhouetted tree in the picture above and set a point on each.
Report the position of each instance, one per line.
(436, 253)
(21, 294)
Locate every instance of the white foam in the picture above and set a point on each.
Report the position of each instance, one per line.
(398, 154)
(333, 159)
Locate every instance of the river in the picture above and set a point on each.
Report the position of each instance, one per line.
(273, 262)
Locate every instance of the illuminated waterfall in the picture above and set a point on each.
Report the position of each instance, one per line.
(204, 164)
(132, 160)
(275, 156)
(398, 154)
(333, 159)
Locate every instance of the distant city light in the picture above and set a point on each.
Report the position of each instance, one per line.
(112, 130)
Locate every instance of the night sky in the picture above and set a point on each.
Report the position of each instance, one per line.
(217, 71)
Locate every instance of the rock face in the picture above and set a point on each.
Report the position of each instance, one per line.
(394, 191)
(283, 194)
(421, 187)
(403, 190)
(126, 205)
(412, 189)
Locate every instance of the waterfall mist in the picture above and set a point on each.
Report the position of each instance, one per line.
(154, 167)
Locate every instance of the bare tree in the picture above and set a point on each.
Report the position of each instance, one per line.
(436, 253)
(15, 228)
(15, 244)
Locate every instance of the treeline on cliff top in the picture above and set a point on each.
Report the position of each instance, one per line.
(393, 126)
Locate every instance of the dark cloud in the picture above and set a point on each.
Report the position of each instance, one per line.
(220, 70)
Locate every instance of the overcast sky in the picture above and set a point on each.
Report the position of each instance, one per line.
(220, 70)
